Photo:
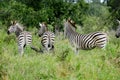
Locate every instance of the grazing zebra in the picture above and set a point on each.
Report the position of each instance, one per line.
(84, 41)
(24, 38)
(47, 38)
(117, 34)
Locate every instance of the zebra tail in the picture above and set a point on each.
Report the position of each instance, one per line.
(36, 49)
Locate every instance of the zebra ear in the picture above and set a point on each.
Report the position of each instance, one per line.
(44, 23)
(118, 21)
(11, 22)
(70, 20)
(40, 24)
(65, 20)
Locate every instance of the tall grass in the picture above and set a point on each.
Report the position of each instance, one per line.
(96, 64)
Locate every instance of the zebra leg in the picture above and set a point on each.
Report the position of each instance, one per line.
(52, 49)
(76, 50)
(20, 48)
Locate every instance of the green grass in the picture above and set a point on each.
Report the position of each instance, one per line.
(96, 64)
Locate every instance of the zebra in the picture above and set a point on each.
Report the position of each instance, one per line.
(47, 38)
(84, 41)
(23, 37)
(117, 34)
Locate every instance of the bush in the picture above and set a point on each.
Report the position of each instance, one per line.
(96, 19)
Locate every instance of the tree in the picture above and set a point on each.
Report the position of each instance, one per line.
(115, 8)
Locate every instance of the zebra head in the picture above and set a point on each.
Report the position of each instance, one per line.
(15, 28)
(117, 34)
(69, 24)
(43, 28)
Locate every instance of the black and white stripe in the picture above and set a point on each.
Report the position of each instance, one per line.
(24, 38)
(84, 41)
(47, 40)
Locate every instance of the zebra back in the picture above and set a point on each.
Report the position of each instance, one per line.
(25, 38)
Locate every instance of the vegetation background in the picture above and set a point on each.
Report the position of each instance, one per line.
(89, 15)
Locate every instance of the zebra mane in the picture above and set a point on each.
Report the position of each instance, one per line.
(19, 26)
(69, 29)
(72, 23)
(43, 25)
(20, 29)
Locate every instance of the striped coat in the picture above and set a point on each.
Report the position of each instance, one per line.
(84, 41)
(47, 39)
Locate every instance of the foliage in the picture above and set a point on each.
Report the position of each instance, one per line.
(20, 12)
(96, 20)
(31, 12)
(114, 10)
(50, 11)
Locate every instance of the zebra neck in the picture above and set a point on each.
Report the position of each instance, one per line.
(70, 31)
(17, 33)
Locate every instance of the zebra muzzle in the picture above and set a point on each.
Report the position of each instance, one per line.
(117, 36)
(8, 32)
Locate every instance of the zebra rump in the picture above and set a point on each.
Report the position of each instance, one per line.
(48, 40)
(25, 38)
